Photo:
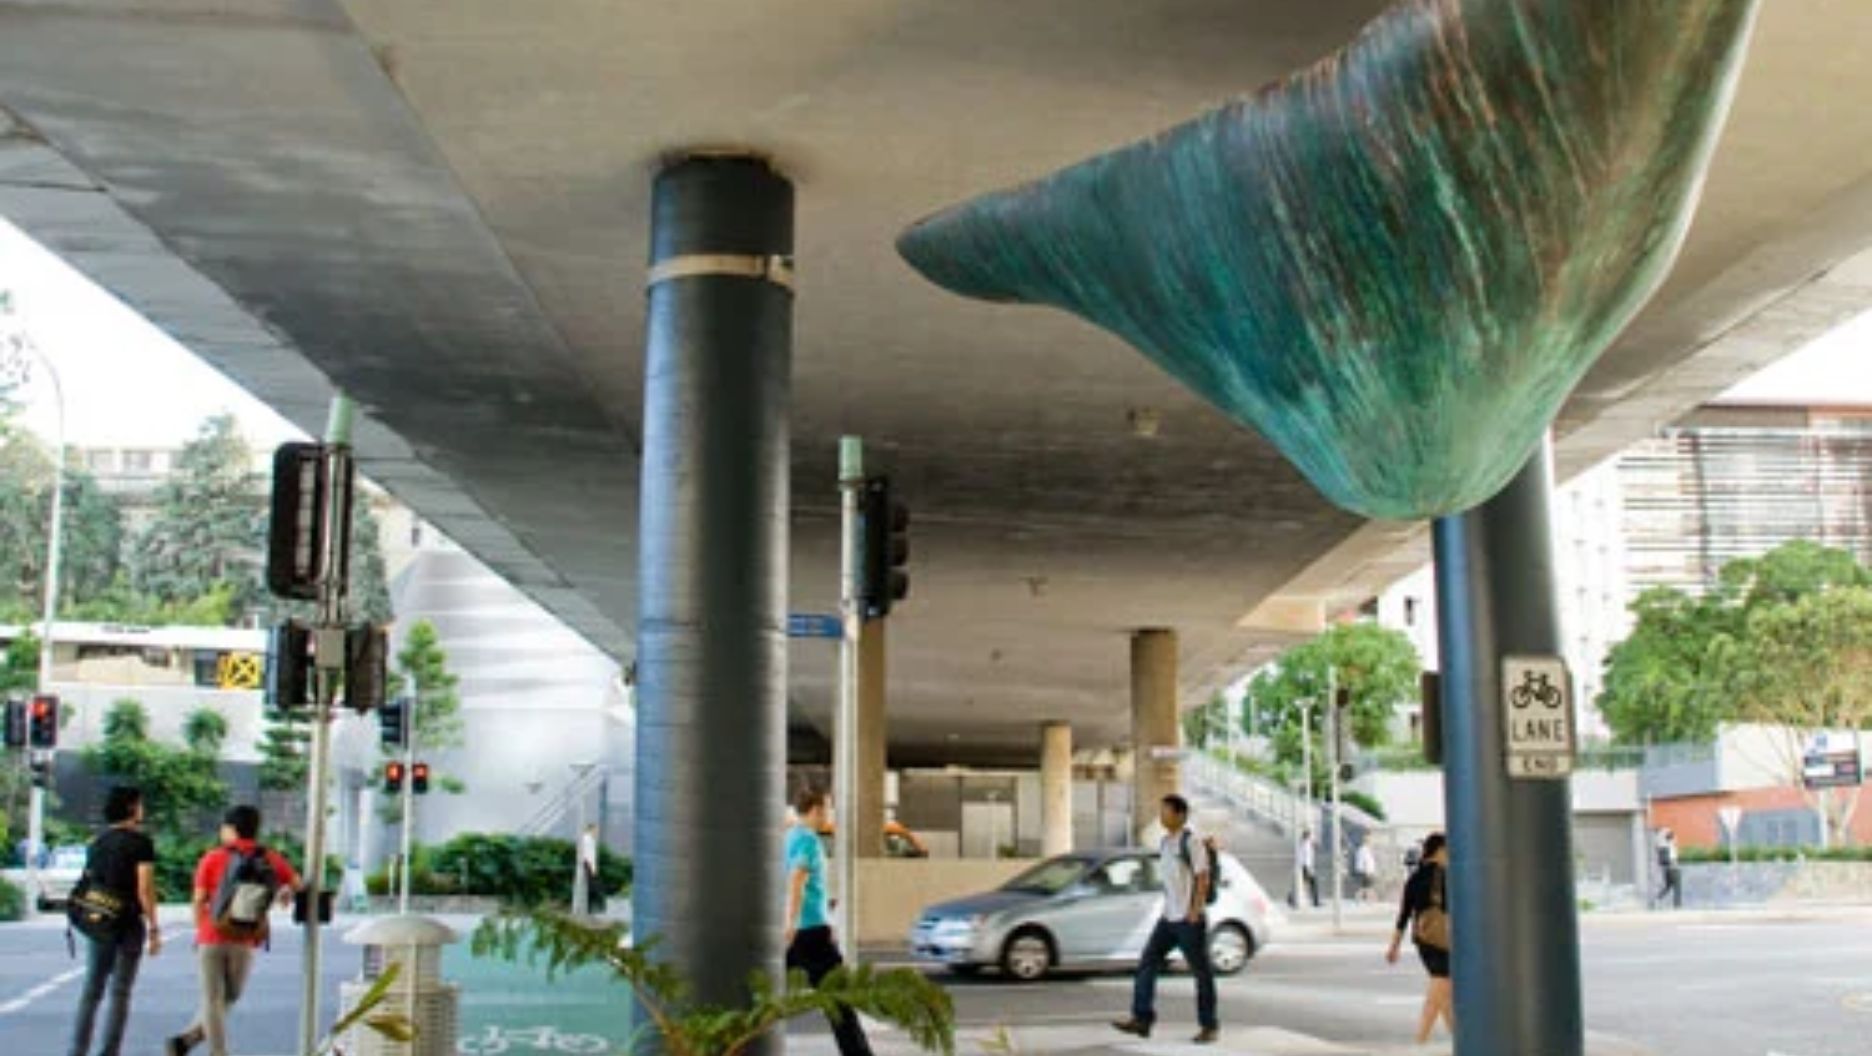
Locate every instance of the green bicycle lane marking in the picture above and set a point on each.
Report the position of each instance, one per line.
(517, 997)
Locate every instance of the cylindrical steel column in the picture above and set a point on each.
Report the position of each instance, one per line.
(1155, 735)
(1056, 788)
(711, 636)
(1514, 920)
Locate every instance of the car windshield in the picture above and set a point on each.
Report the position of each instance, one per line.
(68, 858)
(1049, 877)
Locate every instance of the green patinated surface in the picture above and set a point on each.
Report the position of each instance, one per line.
(1397, 263)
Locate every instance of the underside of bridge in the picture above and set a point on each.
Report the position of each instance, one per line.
(443, 209)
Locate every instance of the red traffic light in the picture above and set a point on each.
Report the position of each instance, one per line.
(419, 778)
(42, 721)
(393, 777)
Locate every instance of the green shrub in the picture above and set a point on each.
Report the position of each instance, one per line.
(528, 871)
(1719, 855)
(12, 901)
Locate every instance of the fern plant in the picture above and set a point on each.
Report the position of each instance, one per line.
(901, 997)
(396, 1026)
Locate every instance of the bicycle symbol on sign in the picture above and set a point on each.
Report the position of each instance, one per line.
(496, 1040)
(1535, 686)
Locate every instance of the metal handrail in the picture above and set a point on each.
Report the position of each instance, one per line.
(554, 809)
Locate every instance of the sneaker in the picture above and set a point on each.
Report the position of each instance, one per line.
(176, 1046)
(1207, 1037)
(1133, 1026)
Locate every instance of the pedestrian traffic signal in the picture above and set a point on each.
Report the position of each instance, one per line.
(367, 660)
(884, 527)
(43, 721)
(393, 777)
(390, 722)
(289, 666)
(42, 771)
(16, 724)
(419, 779)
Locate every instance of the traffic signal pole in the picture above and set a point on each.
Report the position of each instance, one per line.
(330, 654)
(1337, 835)
(845, 725)
(409, 795)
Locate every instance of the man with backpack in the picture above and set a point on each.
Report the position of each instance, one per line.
(114, 906)
(236, 885)
(1187, 863)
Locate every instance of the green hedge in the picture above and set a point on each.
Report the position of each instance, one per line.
(1700, 855)
(12, 901)
(528, 871)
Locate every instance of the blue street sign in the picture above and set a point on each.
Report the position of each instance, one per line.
(814, 625)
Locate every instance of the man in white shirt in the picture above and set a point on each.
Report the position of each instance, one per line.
(1188, 871)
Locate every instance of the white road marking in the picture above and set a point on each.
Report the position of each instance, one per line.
(39, 991)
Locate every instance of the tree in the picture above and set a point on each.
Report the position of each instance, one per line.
(209, 526)
(1664, 682)
(436, 721)
(1202, 724)
(1806, 666)
(178, 783)
(19, 666)
(1676, 677)
(370, 584)
(1377, 666)
(92, 528)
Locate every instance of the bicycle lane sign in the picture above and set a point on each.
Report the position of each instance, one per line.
(1537, 717)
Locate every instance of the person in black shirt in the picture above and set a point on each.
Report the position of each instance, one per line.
(1425, 912)
(122, 861)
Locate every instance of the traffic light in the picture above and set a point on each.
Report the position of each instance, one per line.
(390, 722)
(42, 721)
(16, 724)
(42, 771)
(303, 486)
(296, 527)
(393, 777)
(884, 527)
(1345, 750)
(289, 666)
(419, 779)
(367, 665)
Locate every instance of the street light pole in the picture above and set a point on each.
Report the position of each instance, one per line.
(23, 345)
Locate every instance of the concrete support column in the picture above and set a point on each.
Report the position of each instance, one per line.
(712, 574)
(873, 723)
(1514, 918)
(1056, 788)
(1154, 730)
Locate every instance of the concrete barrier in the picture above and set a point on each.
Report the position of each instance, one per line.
(1755, 883)
(892, 892)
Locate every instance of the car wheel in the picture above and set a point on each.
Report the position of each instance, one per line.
(1027, 956)
(1230, 949)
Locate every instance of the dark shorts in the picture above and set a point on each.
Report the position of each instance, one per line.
(1435, 961)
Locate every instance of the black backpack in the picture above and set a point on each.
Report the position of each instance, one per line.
(98, 913)
(1215, 865)
(245, 895)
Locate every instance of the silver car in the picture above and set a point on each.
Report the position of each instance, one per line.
(1093, 909)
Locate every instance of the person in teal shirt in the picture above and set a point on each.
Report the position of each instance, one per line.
(810, 944)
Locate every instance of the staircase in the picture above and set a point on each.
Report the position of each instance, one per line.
(1259, 822)
(554, 810)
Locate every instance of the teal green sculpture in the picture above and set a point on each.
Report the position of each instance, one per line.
(1397, 263)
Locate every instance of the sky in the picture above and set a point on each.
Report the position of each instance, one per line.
(127, 384)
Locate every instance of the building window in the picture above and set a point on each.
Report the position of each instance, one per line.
(136, 462)
(101, 461)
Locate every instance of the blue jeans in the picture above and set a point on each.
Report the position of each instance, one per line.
(111, 963)
(1193, 940)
